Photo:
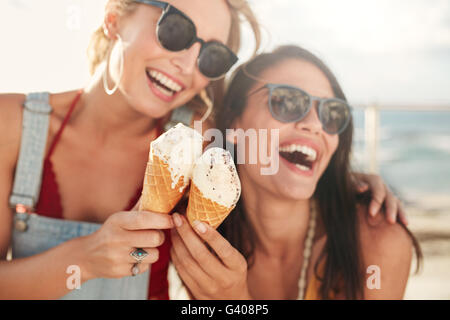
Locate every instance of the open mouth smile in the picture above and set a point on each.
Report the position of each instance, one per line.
(162, 85)
(301, 156)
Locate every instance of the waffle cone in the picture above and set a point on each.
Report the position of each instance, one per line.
(204, 209)
(157, 193)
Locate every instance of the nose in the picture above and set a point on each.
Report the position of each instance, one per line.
(186, 60)
(311, 121)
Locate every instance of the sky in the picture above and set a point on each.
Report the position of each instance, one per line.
(391, 52)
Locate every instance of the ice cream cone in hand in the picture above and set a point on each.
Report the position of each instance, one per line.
(169, 169)
(215, 188)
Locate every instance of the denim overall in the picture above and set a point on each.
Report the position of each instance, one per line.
(33, 234)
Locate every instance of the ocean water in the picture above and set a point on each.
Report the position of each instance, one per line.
(413, 151)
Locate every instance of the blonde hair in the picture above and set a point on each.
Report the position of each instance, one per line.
(100, 44)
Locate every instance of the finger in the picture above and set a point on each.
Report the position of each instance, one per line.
(187, 279)
(141, 220)
(402, 213)
(226, 252)
(378, 195)
(362, 186)
(124, 269)
(152, 256)
(391, 207)
(188, 263)
(145, 238)
(142, 267)
(197, 248)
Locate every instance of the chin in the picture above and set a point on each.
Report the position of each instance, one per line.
(151, 108)
(296, 192)
(156, 113)
(146, 103)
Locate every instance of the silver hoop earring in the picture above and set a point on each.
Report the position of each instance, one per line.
(105, 73)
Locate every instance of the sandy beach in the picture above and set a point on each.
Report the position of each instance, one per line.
(430, 222)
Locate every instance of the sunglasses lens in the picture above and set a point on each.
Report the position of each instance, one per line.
(215, 60)
(176, 32)
(335, 115)
(289, 104)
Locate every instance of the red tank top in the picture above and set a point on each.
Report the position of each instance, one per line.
(49, 205)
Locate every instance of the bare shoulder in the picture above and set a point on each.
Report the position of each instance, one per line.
(380, 235)
(10, 134)
(10, 126)
(387, 251)
(11, 107)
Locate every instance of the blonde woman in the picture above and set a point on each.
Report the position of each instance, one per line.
(81, 181)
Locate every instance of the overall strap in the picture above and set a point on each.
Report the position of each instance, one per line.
(182, 114)
(27, 180)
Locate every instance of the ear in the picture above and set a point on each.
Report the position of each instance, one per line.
(110, 25)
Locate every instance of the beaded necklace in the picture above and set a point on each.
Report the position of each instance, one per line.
(307, 250)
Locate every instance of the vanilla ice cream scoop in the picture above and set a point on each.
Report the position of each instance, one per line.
(179, 147)
(216, 177)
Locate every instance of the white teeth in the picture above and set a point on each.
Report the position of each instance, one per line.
(164, 81)
(311, 153)
(165, 91)
(169, 83)
(303, 168)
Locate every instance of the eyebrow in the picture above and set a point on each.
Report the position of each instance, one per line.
(256, 91)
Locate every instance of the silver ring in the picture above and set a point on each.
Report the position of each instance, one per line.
(139, 254)
(135, 269)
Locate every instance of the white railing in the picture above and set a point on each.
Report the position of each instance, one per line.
(372, 127)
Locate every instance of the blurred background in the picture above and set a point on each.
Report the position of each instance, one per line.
(391, 57)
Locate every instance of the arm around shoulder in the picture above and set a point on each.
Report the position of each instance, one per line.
(386, 256)
(10, 134)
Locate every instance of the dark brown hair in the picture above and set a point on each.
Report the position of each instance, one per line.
(335, 192)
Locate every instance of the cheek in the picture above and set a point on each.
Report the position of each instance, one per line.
(199, 81)
(198, 84)
(257, 116)
(261, 141)
(140, 32)
(143, 48)
(333, 143)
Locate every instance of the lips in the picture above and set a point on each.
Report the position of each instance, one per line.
(300, 155)
(163, 85)
(298, 158)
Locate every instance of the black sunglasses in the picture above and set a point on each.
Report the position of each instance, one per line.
(292, 104)
(177, 32)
